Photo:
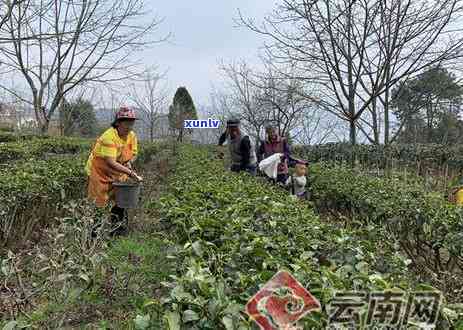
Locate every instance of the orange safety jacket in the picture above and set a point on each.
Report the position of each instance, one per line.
(100, 174)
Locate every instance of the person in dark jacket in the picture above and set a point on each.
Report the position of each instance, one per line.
(242, 150)
(275, 144)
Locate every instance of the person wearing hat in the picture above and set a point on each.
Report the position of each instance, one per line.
(111, 160)
(272, 145)
(242, 151)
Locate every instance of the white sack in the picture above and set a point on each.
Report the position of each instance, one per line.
(269, 165)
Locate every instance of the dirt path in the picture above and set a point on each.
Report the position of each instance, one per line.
(155, 174)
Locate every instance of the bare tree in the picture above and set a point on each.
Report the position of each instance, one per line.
(358, 50)
(59, 45)
(317, 127)
(271, 95)
(221, 108)
(245, 97)
(150, 98)
(6, 9)
(283, 98)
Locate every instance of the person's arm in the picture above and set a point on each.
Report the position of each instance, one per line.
(288, 181)
(130, 163)
(222, 140)
(245, 149)
(261, 152)
(121, 168)
(134, 147)
(223, 137)
(134, 150)
(286, 151)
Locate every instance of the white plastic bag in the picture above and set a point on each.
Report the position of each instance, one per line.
(269, 165)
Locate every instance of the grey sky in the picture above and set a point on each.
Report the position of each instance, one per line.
(203, 33)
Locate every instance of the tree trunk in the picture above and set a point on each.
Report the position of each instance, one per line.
(374, 114)
(350, 79)
(386, 123)
(42, 120)
(44, 127)
(353, 141)
(386, 106)
(180, 135)
(353, 132)
(430, 119)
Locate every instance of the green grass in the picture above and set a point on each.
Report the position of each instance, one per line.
(143, 257)
(137, 264)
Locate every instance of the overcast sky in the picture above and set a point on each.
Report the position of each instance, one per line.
(203, 33)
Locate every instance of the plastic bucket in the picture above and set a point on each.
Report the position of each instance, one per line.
(126, 194)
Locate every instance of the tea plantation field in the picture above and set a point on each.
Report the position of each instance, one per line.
(205, 240)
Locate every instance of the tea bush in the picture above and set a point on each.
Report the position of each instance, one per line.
(15, 137)
(33, 192)
(418, 156)
(33, 189)
(234, 234)
(7, 137)
(48, 277)
(429, 229)
(41, 148)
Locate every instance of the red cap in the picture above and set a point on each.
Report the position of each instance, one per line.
(125, 113)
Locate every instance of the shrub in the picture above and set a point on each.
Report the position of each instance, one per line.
(33, 192)
(7, 137)
(41, 148)
(34, 188)
(234, 234)
(429, 229)
(416, 156)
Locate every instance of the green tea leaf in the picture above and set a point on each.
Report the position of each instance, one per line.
(10, 325)
(173, 320)
(189, 316)
(228, 323)
(142, 322)
(197, 248)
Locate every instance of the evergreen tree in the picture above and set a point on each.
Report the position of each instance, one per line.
(78, 118)
(182, 109)
(428, 106)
